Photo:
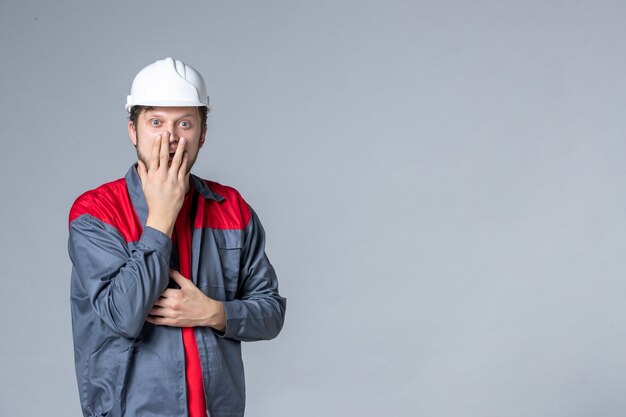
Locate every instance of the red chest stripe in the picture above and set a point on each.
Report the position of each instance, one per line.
(231, 213)
(111, 204)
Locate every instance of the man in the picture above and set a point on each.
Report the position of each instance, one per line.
(169, 271)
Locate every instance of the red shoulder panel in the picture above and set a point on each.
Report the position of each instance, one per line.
(231, 213)
(111, 204)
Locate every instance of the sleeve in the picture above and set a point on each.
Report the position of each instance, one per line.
(258, 312)
(121, 285)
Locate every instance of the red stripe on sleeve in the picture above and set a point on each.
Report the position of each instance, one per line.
(111, 204)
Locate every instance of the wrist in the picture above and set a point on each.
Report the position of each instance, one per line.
(217, 318)
(164, 226)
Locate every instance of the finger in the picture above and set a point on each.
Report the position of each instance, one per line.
(163, 312)
(168, 295)
(179, 278)
(156, 149)
(160, 303)
(178, 155)
(164, 155)
(157, 311)
(159, 321)
(163, 321)
(182, 172)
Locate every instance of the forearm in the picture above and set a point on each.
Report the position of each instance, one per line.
(121, 285)
(250, 320)
(258, 312)
(126, 301)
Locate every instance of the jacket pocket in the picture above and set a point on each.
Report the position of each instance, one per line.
(106, 379)
(230, 261)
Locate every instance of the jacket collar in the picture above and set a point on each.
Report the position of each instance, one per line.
(133, 184)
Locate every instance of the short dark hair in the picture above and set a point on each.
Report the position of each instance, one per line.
(135, 111)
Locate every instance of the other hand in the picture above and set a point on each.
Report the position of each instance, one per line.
(187, 307)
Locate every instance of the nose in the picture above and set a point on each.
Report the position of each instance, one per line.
(174, 136)
(174, 139)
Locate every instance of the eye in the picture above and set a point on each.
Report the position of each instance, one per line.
(155, 122)
(185, 124)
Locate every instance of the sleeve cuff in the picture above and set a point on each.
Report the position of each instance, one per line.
(155, 239)
(233, 319)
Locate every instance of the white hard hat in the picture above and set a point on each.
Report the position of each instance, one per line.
(168, 82)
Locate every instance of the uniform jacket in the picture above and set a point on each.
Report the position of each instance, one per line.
(126, 366)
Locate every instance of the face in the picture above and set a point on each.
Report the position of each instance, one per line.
(179, 122)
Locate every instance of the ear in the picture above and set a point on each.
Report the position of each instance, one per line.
(202, 137)
(132, 132)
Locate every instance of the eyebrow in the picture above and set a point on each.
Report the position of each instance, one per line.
(160, 114)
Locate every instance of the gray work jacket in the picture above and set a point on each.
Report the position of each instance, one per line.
(126, 366)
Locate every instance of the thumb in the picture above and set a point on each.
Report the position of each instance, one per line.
(179, 278)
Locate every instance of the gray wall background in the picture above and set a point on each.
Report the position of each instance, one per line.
(441, 183)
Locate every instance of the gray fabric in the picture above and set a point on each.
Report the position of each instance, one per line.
(128, 367)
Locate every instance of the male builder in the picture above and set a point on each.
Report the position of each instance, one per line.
(169, 270)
